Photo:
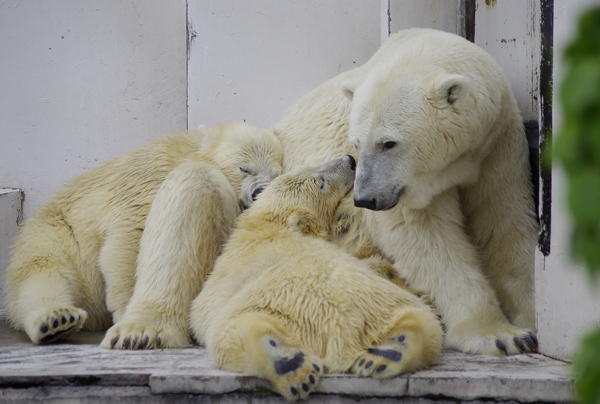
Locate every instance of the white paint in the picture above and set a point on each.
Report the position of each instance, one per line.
(436, 14)
(83, 81)
(509, 31)
(10, 217)
(250, 60)
(567, 304)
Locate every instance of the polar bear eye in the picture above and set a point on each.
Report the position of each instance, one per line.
(245, 170)
(321, 182)
(389, 145)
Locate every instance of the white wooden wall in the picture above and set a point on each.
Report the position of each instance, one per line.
(250, 60)
(567, 304)
(82, 81)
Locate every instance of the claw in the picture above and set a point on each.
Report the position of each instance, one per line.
(520, 344)
(500, 345)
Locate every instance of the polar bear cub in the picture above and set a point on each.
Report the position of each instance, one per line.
(285, 304)
(131, 241)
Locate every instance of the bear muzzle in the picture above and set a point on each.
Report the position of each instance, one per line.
(374, 203)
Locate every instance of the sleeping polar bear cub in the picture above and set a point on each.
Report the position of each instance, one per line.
(285, 304)
(131, 241)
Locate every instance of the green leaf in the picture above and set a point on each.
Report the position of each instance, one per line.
(584, 196)
(587, 369)
(581, 86)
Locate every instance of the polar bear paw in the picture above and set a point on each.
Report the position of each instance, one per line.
(295, 373)
(144, 335)
(504, 340)
(384, 360)
(58, 324)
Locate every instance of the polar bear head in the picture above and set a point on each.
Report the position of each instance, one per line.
(306, 199)
(248, 156)
(423, 120)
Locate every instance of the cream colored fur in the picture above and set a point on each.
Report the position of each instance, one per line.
(76, 263)
(442, 157)
(285, 304)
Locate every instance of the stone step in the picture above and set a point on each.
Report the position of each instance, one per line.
(79, 371)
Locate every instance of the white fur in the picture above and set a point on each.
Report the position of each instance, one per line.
(76, 263)
(281, 291)
(442, 155)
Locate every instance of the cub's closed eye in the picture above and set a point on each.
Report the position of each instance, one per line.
(245, 170)
(321, 182)
(389, 145)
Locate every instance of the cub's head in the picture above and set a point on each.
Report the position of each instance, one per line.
(306, 199)
(250, 157)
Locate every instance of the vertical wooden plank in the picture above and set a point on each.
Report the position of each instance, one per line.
(249, 61)
(509, 31)
(436, 14)
(11, 214)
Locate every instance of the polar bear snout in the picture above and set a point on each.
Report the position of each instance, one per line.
(256, 192)
(373, 203)
(352, 161)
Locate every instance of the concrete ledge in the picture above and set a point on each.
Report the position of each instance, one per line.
(80, 371)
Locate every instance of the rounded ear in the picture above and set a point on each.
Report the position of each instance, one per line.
(305, 222)
(348, 88)
(275, 132)
(450, 90)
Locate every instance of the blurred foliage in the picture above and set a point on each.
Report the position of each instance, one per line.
(578, 150)
(578, 145)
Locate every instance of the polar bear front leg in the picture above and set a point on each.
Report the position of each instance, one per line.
(191, 216)
(431, 250)
(259, 344)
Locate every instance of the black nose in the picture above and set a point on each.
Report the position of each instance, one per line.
(256, 192)
(366, 203)
(352, 162)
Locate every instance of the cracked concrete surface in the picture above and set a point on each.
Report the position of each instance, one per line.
(79, 371)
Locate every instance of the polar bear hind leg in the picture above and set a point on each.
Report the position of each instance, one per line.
(259, 344)
(47, 312)
(411, 344)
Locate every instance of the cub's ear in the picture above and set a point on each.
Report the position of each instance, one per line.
(305, 222)
(348, 88)
(275, 132)
(450, 90)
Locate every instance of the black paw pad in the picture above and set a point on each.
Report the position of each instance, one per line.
(284, 366)
(294, 391)
(273, 343)
(52, 337)
(311, 378)
(305, 387)
(55, 323)
(369, 364)
(381, 368)
(315, 367)
(390, 354)
(44, 328)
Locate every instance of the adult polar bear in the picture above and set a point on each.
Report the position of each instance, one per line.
(443, 169)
